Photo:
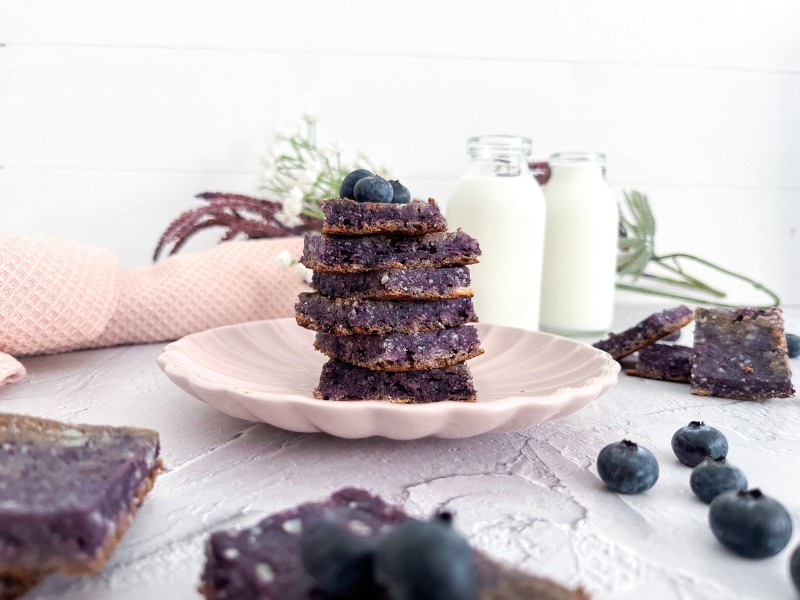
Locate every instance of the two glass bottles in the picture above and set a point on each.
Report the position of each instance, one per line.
(557, 247)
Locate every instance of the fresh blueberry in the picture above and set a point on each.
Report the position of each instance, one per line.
(716, 475)
(347, 189)
(749, 523)
(426, 560)
(373, 189)
(627, 468)
(696, 441)
(340, 562)
(794, 567)
(401, 195)
(793, 345)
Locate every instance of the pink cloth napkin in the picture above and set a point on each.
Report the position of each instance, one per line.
(57, 295)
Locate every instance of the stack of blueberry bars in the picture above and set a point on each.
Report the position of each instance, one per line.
(391, 302)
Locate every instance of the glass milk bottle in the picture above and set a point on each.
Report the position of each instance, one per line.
(580, 246)
(498, 202)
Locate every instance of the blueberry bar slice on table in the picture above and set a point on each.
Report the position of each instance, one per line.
(664, 361)
(267, 562)
(68, 493)
(646, 332)
(741, 354)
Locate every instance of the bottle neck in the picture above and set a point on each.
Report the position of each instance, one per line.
(498, 156)
(577, 166)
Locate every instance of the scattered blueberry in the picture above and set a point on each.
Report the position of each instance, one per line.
(716, 475)
(794, 567)
(749, 523)
(426, 560)
(373, 189)
(696, 441)
(347, 189)
(793, 344)
(627, 468)
(401, 195)
(339, 562)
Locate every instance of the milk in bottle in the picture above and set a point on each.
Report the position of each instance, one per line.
(498, 202)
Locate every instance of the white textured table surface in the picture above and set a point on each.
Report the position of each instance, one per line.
(531, 498)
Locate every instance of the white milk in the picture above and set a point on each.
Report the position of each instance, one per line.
(580, 247)
(506, 215)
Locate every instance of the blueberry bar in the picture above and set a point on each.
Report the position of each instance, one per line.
(264, 562)
(646, 332)
(342, 381)
(342, 316)
(347, 217)
(403, 351)
(664, 361)
(395, 284)
(67, 495)
(740, 353)
(338, 254)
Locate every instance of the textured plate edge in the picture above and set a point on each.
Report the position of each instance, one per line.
(197, 386)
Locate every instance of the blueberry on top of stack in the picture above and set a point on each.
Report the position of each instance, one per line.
(392, 300)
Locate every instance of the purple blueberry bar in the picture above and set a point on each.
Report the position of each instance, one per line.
(342, 381)
(664, 361)
(263, 562)
(347, 217)
(740, 353)
(67, 495)
(342, 316)
(335, 254)
(403, 351)
(646, 332)
(395, 284)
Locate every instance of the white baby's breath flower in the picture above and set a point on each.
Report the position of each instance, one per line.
(284, 259)
(305, 186)
(294, 199)
(300, 174)
(314, 168)
(291, 207)
(288, 219)
(306, 177)
(304, 271)
(326, 151)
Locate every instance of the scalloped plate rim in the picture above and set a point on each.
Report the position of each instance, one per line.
(191, 376)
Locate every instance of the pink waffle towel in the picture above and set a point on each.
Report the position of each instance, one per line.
(57, 295)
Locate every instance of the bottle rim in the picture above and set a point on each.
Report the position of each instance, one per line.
(500, 144)
(560, 159)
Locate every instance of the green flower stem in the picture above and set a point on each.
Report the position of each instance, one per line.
(758, 286)
(688, 280)
(636, 250)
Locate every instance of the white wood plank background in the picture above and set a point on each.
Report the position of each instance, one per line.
(112, 116)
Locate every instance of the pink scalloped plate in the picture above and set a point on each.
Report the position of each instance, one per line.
(266, 371)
